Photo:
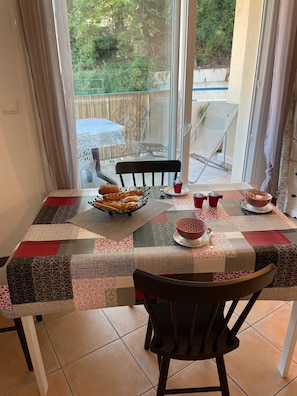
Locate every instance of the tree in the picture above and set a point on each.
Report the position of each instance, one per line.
(120, 40)
(214, 32)
(118, 45)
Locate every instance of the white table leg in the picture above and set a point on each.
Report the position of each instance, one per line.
(289, 344)
(33, 345)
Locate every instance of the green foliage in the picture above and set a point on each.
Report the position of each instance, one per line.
(214, 32)
(105, 46)
(118, 45)
(88, 82)
(118, 77)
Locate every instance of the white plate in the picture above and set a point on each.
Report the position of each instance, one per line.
(170, 191)
(254, 209)
(202, 241)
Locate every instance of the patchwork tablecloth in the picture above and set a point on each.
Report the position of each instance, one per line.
(59, 266)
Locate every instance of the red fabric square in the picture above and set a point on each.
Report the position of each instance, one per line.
(40, 248)
(60, 201)
(161, 218)
(262, 238)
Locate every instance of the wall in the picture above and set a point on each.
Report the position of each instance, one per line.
(22, 186)
(242, 71)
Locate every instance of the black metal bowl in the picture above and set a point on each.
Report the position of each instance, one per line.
(140, 203)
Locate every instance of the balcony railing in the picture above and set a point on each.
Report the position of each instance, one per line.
(196, 93)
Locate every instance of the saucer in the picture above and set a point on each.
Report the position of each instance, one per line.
(264, 209)
(170, 191)
(202, 241)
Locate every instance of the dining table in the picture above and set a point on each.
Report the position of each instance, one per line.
(93, 133)
(75, 256)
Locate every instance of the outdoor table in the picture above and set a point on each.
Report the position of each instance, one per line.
(60, 266)
(93, 133)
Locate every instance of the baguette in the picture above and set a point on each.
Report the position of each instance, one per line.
(130, 198)
(103, 205)
(121, 195)
(115, 206)
(109, 188)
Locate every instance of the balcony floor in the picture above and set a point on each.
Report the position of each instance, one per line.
(210, 174)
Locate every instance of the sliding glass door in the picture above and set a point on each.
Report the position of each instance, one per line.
(126, 65)
(139, 74)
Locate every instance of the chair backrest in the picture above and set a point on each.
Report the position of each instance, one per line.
(147, 169)
(211, 129)
(199, 309)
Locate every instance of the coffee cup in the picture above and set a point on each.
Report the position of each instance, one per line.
(198, 199)
(177, 186)
(213, 198)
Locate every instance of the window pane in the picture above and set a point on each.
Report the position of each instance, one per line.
(210, 111)
(122, 59)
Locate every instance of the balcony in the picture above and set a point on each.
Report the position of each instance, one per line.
(142, 114)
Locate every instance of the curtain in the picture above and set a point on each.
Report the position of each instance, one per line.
(284, 68)
(50, 67)
(288, 151)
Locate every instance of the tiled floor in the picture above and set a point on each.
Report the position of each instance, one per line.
(100, 352)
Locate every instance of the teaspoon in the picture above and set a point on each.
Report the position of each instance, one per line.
(209, 232)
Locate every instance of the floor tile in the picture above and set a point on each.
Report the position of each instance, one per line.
(109, 371)
(200, 374)
(53, 316)
(253, 366)
(79, 333)
(151, 392)
(289, 390)
(262, 309)
(57, 386)
(274, 326)
(13, 367)
(146, 359)
(126, 319)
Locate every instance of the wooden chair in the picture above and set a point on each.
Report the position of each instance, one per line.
(18, 326)
(191, 320)
(147, 168)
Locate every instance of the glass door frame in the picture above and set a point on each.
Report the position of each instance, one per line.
(187, 51)
(183, 52)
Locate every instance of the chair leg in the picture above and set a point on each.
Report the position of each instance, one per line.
(148, 336)
(101, 175)
(222, 376)
(163, 375)
(21, 334)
